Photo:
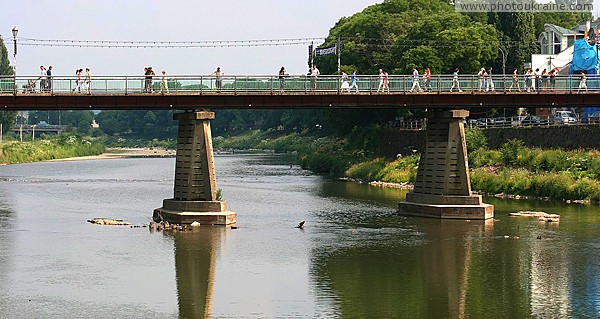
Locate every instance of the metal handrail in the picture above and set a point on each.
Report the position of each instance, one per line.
(240, 84)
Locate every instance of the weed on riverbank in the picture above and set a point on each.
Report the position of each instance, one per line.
(62, 146)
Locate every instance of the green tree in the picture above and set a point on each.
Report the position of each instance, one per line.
(5, 68)
(7, 118)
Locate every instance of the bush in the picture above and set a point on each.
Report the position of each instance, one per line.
(475, 139)
(510, 152)
(366, 171)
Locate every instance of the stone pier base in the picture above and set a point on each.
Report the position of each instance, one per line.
(195, 193)
(446, 207)
(443, 185)
(187, 212)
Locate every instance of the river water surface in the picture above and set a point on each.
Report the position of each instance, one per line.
(355, 258)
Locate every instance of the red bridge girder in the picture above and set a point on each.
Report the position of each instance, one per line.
(182, 101)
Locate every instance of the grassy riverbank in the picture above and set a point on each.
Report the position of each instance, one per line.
(62, 146)
(513, 169)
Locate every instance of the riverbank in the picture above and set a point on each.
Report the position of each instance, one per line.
(56, 147)
(511, 171)
(118, 152)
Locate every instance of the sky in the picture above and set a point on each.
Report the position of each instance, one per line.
(172, 20)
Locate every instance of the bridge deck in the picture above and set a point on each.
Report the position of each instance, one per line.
(185, 101)
(240, 92)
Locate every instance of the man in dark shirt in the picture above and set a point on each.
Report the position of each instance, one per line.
(49, 79)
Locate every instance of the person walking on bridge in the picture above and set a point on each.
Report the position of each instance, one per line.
(490, 81)
(455, 82)
(78, 80)
(88, 81)
(281, 79)
(164, 86)
(353, 80)
(380, 75)
(313, 79)
(386, 81)
(49, 79)
(515, 80)
(149, 73)
(42, 79)
(218, 78)
(416, 85)
(582, 83)
(482, 76)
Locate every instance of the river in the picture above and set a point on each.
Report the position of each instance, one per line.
(355, 258)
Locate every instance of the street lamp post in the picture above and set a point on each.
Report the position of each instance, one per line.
(503, 60)
(15, 32)
(503, 68)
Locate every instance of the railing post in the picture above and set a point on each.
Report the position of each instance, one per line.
(126, 83)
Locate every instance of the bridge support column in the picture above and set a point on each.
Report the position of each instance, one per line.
(443, 186)
(195, 194)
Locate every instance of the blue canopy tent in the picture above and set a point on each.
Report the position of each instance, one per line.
(585, 58)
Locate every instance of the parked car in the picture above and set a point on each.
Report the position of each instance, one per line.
(532, 120)
(565, 117)
(594, 117)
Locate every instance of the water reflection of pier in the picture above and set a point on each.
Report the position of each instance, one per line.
(195, 261)
(439, 276)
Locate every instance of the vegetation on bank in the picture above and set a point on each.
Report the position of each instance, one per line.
(114, 141)
(48, 148)
(513, 169)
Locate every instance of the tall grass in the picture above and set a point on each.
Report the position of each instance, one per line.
(64, 146)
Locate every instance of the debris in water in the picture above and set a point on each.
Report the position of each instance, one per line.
(108, 221)
(195, 224)
(541, 216)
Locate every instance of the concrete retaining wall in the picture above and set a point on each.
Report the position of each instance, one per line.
(562, 137)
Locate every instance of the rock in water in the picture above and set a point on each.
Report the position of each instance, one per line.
(108, 221)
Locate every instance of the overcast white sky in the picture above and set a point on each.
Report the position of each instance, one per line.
(172, 20)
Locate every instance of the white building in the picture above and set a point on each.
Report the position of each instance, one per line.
(556, 44)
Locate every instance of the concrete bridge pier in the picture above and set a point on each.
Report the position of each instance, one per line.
(443, 186)
(195, 193)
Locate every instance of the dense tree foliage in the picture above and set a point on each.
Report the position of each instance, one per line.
(394, 35)
(78, 121)
(7, 118)
(138, 124)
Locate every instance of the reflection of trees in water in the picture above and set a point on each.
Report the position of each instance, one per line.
(455, 272)
(363, 192)
(195, 260)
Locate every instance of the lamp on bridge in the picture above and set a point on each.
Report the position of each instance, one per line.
(15, 31)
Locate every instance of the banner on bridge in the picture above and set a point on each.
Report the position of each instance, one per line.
(326, 51)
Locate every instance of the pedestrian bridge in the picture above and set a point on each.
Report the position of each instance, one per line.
(255, 91)
(442, 187)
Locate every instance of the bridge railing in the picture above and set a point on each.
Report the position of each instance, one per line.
(269, 84)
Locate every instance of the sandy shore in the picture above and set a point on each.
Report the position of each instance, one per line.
(123, 153)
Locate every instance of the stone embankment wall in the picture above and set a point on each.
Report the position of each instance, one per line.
(563, 137)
